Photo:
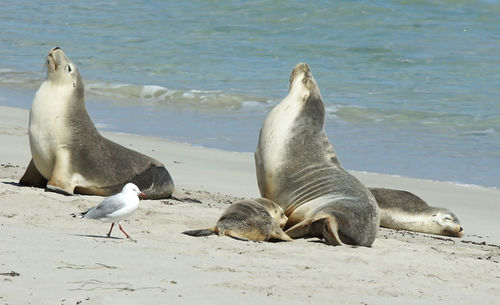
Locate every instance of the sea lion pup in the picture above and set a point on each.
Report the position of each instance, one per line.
(68, 153)
(253, 219)
(298, 169)
(403, 210)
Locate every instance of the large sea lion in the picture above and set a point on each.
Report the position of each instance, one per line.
(252, 219)
(68, 153)
(298, 169)
(403, 210)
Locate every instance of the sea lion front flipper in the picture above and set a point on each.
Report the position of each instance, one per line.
(322, 225)
(280, 236)
(59, 179)
(32, 177)
(300, 230)
(56, 189)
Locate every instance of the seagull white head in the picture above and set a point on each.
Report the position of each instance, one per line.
(132, 188)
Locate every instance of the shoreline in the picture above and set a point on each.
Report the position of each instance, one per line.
(49, 257)
(123, 135)
(391, 152)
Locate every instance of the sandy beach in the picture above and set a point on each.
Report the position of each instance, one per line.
(48, 257)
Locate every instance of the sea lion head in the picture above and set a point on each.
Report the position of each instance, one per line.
(301, 80)
(277, 213)
(61, 70)
(305, 97)
(274, 210)
(448, 222)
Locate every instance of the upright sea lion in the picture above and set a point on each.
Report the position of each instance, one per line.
(298, 169)
(403, 210)
(255, 219)
(68, 153)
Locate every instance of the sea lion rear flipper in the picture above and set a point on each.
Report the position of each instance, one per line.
(32, 177)
(322, 225)
(330, 231)
(201, 232)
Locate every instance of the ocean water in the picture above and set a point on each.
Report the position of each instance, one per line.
(411, 88)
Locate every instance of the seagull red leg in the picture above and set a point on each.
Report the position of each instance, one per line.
(110, 229)
(120, 226)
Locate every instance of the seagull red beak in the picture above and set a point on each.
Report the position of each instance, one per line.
(142, 195)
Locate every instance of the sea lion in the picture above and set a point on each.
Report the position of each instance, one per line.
(68, 153)
(298, 169)
(403, 210)
(252, 219)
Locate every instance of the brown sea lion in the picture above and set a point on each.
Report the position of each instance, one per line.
(298, 169)
(252, 219)
(69, 155)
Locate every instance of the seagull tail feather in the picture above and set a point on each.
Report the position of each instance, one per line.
(78, 215)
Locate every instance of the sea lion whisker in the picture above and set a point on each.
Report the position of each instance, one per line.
(44, 68)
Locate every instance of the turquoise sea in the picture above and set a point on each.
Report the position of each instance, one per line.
(412, 88)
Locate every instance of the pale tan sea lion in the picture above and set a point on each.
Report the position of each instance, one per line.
(68, 153)
(403, 210)
(298, 169)
(252, 219)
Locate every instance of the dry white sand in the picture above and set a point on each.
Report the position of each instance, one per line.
(48, 257)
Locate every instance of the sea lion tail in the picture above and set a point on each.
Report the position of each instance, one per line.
(201, 232)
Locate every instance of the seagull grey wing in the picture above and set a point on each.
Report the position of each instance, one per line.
(106, 207)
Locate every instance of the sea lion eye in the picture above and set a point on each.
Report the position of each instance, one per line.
(69, 69)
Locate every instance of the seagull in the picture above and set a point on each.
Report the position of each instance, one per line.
(115, 208)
